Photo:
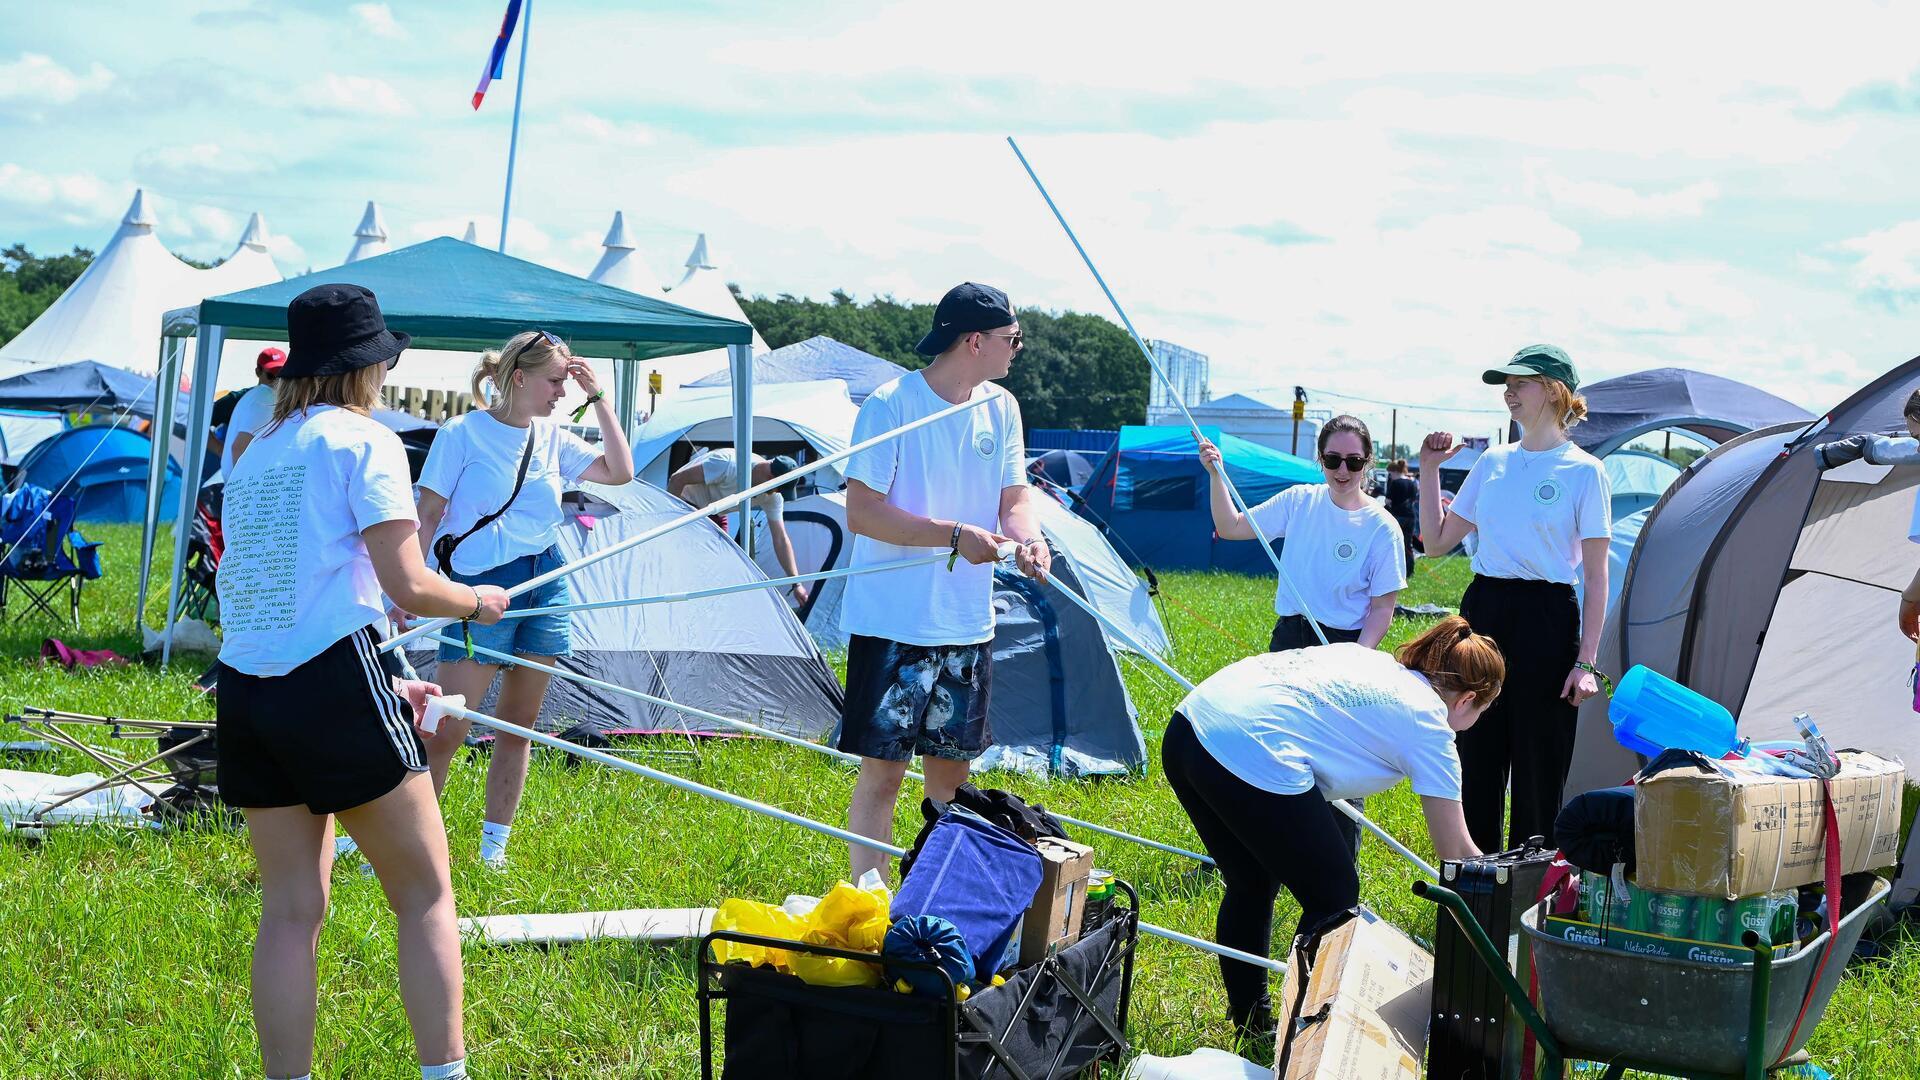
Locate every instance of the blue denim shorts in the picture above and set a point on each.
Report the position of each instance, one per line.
(539, 635)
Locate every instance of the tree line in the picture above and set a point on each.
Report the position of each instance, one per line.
(1077, 371)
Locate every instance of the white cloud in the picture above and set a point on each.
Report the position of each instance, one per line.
(601, 132)
(1889, 261)
(378, 20)
(73, 198)
(202, 157)
(41, 79)
(1617, 201)
(362, 94)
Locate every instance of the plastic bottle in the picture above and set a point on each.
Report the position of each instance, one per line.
(1652, 713)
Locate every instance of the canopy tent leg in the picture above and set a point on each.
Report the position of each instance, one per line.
(740, 359)
(206, 370)
(626, 394)
(165, 390)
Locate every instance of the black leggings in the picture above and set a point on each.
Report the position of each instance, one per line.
(1527, 736)
(1292, 632)
(1259, 841)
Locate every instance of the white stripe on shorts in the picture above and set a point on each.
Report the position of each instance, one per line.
(387, 703)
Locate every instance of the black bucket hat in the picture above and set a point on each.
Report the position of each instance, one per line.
(334, 329)
(967, 307)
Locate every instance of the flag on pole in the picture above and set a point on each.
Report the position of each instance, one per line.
(497, 59)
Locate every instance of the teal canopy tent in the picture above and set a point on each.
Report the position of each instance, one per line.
(448, 294)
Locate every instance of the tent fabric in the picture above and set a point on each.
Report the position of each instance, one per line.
(621, 266)
(1713, 408)
(742, 655)
(818, 357)
(84, 386)
(1637, 479)
(1068, 469)
(453, 295)
(1059, 705)
(1149, 494)
(107, 467)
(816, 413)
(112, 311)
(23, 429)
(703, 288)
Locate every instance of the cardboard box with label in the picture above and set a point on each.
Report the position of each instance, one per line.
(1727, 829)
(1367, 1001)
(1053, 922)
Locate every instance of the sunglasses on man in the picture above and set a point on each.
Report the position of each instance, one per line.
(1353, 462)
(1018, 339)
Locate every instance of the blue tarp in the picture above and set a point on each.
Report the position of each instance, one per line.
(83, 386)
(819, 357)
(1150, 495)
(108, 469)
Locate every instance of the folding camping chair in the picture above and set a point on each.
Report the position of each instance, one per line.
(179, 776)
(199, 598)
(43, 553)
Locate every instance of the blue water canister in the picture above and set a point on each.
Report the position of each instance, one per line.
(1651, 713)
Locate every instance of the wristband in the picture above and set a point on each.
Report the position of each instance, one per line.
(1606, 684)
(581, 412)
(954, 555)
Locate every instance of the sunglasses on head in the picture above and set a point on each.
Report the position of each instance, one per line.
(1353, 462)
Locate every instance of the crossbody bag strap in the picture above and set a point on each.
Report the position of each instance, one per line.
(444, 547)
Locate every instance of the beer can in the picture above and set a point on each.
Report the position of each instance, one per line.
(1670, 915)
(1715, 919)
(1594, 893)
(1786, 917)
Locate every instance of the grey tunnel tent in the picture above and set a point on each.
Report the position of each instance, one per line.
(1708, 407)
(448, 295)
(1771, 588)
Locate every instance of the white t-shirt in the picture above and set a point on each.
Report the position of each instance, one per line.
(295, 576)
(1344, 718)
(718, 473)
(1533, 509)
(954, 470)
(1338, 559)
(252, 412)
(472, 465)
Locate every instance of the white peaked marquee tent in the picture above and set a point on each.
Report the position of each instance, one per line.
(621, 266)
(112, 311)
(704, 288)
(370, 238)
(473, 234)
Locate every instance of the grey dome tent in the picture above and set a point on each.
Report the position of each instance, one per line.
(818, 357)
(742, 655)
(1059, 704)
(1771, 587)
(1709, 407)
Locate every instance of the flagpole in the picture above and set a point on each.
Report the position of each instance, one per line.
(513, 141)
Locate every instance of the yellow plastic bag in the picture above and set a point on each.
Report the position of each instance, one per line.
(845, 918)
(753, 917)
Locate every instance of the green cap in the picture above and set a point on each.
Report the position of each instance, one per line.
(1550, 361)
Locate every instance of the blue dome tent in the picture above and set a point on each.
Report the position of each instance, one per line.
(108, 469)
(1149, 495)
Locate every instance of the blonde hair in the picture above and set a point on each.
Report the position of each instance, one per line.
(356, 391)
(1568, 405)
(1456, 660)
(529, 350)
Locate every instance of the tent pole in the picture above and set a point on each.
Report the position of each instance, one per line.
(740, 358)
(513, 140)
(206, 369)
(165, 390)
(626, 393)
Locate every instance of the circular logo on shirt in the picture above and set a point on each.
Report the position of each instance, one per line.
(984, 444)
(1547, 492)
(1346, 550)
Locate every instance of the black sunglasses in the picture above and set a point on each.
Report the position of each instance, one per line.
(1353, 462)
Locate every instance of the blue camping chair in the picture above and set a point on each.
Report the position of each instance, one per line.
(42, 553)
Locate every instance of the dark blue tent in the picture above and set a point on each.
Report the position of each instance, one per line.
(83, 386)
(107, 467)
(1149, 494)
(818, 357)
(1709, 407)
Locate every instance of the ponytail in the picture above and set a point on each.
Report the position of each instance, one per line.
(482, 372)
(1456, 660)
(529, 350)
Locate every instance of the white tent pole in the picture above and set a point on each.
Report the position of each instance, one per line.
(727, 590)
(513, 140)
(777, 736)
(1173, 390)
(742, 497)
(740, 358)
(626, 394)
(206, 370)
(165, 391)
(790, 818)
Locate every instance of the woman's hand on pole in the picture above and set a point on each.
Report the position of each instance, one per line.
(417, 691)
(492, 601)
(1209, 453)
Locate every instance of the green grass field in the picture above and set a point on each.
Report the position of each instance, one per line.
(125, 954)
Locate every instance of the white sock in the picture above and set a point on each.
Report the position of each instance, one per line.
(493, 841)
(452, 1070)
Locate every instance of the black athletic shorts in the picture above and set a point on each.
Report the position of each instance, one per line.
(904, 700)
(332, 733)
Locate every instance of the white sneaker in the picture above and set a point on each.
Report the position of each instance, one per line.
(497, 864)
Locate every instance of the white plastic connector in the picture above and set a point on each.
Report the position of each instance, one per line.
(439, 707)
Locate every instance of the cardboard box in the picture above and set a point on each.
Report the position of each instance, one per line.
(1053, 921)
(1737, 832)
(1649, 944)
(1367, 1002)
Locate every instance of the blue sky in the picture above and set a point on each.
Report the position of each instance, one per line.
(1374, 201)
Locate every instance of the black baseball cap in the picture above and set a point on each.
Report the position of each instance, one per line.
(334, 329)
(1541, 361)
(967, 307)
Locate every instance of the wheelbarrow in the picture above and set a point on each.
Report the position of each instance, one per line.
(1692, 1019)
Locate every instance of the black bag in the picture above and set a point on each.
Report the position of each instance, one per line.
(444, 547)
(1003, 808)
(1595, 830)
